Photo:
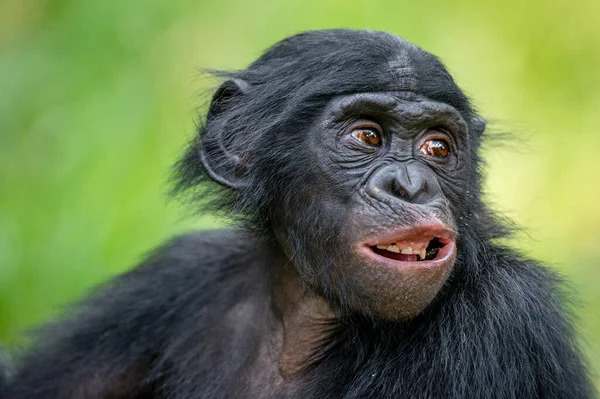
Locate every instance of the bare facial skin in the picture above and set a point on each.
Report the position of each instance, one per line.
(388, 165)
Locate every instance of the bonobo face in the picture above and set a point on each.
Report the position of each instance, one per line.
(351, 149)
(396, 161)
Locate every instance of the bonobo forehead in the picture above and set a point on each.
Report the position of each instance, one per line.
(333, 62)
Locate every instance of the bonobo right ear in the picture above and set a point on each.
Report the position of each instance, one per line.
(224, 159)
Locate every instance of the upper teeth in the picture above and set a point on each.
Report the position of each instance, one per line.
(422, 252)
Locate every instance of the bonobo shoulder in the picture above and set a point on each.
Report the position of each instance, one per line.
(203, 248)
(119, 336)
(199, 255)
(200, 265)
(190, 277)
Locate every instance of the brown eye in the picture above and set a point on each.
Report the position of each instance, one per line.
(437, 148)
(368, 136)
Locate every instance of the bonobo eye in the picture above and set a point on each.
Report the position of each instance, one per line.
(368, 133)
(367, 136)
(436, 147)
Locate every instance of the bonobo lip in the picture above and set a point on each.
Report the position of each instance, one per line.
(430, 245)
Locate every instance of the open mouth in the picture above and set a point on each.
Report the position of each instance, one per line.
(419, 244)
(412, 252)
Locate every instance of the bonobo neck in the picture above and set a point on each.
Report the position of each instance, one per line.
(306, 318)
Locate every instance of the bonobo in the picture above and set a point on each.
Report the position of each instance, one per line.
(364, 263)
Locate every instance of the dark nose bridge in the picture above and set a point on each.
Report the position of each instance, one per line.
(406, 181)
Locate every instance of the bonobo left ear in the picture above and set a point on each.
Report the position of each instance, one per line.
(479, 124)
(221, 154)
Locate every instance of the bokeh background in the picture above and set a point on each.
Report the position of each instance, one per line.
(98, 98)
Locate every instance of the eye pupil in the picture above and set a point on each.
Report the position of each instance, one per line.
(436, 148)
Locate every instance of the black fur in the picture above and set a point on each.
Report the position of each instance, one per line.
(191, 322)
(3, 376)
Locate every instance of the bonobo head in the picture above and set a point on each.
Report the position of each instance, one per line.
(357, 153)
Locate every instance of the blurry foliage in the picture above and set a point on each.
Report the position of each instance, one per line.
(97, 99)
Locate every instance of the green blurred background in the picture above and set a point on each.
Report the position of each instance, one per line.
(98, 98)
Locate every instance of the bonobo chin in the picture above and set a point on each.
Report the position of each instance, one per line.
(364, 262)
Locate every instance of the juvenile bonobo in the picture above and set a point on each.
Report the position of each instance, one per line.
(364, 263)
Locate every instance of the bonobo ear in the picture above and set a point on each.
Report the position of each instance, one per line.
(479, 124)
(228, 92)
(220, 152)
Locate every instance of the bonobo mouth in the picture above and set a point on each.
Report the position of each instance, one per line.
(419, 245)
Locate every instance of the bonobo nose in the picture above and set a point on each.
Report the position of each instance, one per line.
(410, 182)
